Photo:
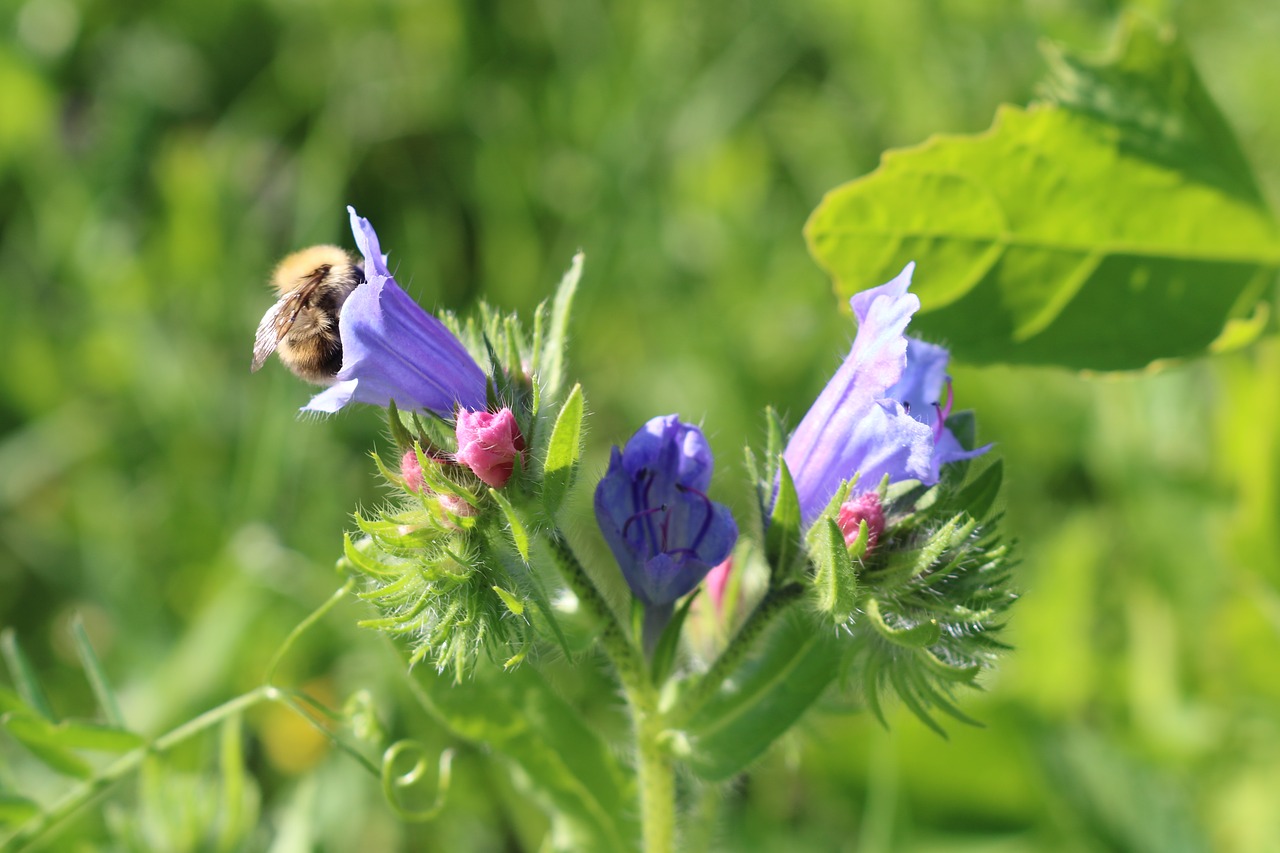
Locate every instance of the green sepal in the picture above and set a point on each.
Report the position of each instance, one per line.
(434, 433)
(835, 578)
(519, 535)
(514, 604)
(904, 565)
(399, 432)
(531, 584)
(563, 452)
(918, 636)
(664, 653)
(437, 481)
(359, 561)
(782, 539)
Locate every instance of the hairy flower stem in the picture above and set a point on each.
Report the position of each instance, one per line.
(774, 604)
(626, 659)
(657, 783)
(656, 766)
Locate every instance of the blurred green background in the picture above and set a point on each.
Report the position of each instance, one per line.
(155, 160)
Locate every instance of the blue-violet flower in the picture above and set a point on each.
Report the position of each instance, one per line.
(394, 350)
(653, 509)
(881, 412)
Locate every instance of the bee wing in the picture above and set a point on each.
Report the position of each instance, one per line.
(276, 324)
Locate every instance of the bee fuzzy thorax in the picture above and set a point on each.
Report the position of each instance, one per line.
(302, 326)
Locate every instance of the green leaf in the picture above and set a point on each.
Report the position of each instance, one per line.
(10, 701)
(551, 355)
(99, 738)
(563, 451)
(835, 579)
(977, 497)
(761, 702)
(664, 653)
(42, 740)
(1109, 227)
(15, 810)
(96, 674)
(23, 674)
(782, 539)
(570, 769)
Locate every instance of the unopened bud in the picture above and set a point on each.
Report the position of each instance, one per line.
(488, 444)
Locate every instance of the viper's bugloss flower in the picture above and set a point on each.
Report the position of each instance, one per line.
(865, 507)
(488, 444)
(881, 412)
(392, 349)
(653, 509)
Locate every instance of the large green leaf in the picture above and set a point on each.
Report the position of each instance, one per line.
(566, 763)
(765, 698)
(1110, 225)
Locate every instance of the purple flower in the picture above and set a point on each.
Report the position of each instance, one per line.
(882, 411)
(653, 509)
(394, 350)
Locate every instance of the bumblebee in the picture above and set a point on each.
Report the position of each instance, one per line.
(302, 326)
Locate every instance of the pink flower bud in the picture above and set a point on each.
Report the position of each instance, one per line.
(488, 443)
(411, 471)
(457, 506)
(717, 580)
(865, 507)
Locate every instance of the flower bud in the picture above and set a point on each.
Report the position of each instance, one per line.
(488, 444)
(717, 580)
(865, 507)
(653, 509)
(411, 471)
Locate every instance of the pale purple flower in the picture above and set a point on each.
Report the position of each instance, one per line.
(394, 350)
(882, 413)
(653, 509)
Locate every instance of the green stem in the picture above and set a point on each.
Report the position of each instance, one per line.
(774, 604)
(625, 657)
(301, 628)
(656, 766)
(657, 783)
(88, 790)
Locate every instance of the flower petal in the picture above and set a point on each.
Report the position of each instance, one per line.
(831, 441)
(394, 350)
(653, 510)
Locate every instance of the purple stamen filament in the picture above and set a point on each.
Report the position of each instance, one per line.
(943, 411)
(656, 536)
